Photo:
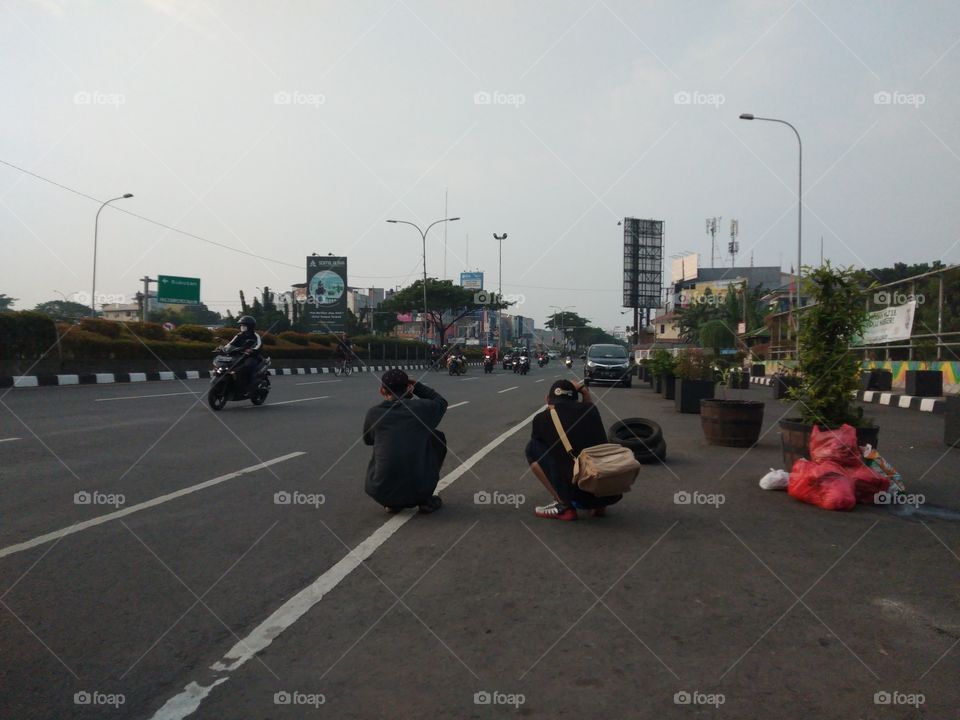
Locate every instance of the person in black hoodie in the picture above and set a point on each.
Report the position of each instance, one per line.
(408, 449)
(549, 460)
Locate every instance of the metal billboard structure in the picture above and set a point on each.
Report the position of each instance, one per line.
(642, 267)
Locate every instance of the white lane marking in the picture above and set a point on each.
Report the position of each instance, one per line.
(140, 397)
(540, 380)
(287, 402)
(508, 389)
(468, 379)
(101, 519)
(9, 439)
(189, 699)
(319, 382)
(450, 407)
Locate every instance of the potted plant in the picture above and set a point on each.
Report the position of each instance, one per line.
(876, 379)
(784, 379)
(737, 379)
(924, 383)
(695, 380)
(829, 372)
(732, 423)
(661, 365)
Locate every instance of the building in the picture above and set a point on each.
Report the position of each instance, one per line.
(121, 312)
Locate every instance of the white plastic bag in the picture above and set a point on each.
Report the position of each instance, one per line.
(775, 480)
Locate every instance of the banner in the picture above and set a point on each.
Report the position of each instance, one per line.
(326, 308)
(471, 280)
(888, 325)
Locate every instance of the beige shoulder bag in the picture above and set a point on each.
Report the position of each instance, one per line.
(602, 470)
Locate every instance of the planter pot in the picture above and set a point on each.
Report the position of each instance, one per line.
(669, 387)
(951, 422)
(658, 384)
(732, 423)
(689, 393)
(781, 383)
(924, 383)
(758, 370)
(876, 379)
(738, 381)
(795, 439)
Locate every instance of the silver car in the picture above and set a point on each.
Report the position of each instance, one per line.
(607, 364)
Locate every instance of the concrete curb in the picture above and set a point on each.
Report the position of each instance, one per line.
(23, 381)
(910, 402)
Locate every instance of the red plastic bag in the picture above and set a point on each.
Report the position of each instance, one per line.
(839, 446)
(824, 484)
(867, 483)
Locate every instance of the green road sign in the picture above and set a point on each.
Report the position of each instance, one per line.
(178, 290)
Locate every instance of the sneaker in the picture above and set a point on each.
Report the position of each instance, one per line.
(556, 511)
(431, 505)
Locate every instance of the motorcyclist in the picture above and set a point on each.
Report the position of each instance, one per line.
(344, 349)
(248, 343)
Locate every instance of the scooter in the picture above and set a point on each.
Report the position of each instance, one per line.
(568, 362)
(488, 364)
(542, 360)
(225, 386)
(457, 366)
(522, 365)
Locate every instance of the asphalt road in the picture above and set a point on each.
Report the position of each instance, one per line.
(210, 599)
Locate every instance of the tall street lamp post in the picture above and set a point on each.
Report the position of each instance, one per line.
(96, 228)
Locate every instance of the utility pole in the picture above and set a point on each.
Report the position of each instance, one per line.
(500, 239)
(145, 306)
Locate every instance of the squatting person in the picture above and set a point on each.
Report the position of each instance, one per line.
(408, 449)
(551, 463)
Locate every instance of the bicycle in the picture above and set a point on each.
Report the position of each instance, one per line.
(342, 367)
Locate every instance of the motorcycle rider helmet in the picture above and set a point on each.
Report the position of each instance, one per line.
(247, 321)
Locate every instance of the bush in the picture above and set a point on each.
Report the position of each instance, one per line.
(146, 331)
(295, 337)
(25, 337)
(225, 333)
(107, 328)
(695, 364)
(268, 339)
(196, 333)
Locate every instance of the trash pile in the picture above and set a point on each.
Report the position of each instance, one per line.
(838, 475)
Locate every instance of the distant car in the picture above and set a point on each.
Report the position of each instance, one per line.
(553, 354)
(607, 364)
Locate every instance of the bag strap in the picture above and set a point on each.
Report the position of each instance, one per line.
(563, 436)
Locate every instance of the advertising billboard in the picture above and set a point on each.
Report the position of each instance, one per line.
(471, 280)
(326, 308)
(642, 263)
(684, 268)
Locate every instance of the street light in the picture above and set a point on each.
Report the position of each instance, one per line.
(562, 328)
(750, 116)
(500, 239)
(96, 227)
(423, 235)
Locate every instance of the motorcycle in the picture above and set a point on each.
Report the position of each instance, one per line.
(488, 364)
(225, 386)
(542, 360)
(522, 365)
(457, 366)
(508, 361)
(568, 362)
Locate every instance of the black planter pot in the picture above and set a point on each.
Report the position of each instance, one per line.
(758, 370)
(689, 393)
(657, 384)
(951, 422)
(738, 381)
(875, 379)
(732, 423)
(924, 383)
(781, 383)
(669, 387)
(795, 439)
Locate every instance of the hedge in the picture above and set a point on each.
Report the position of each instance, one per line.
(25, 337)
(196, 333)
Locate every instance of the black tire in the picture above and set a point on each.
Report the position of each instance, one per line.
(260, 395)
(632, 431)
(217, 396)
(658, 454)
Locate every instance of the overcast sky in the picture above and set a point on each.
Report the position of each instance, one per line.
(285, 128)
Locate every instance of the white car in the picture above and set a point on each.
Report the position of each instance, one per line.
(553, 354)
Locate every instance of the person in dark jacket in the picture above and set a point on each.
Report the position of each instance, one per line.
(247, 342)
(408, 450)
(549, 460)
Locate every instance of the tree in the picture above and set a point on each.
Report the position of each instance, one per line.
(443, 299)
(188, 315)
(565, 319)
(6, 302)
(63, 309)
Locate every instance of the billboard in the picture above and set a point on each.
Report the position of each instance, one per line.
(684, 268)
(642, 263)
(326, 308)
(471, 280)
(176, 290)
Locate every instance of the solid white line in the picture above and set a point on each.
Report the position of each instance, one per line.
(318, 382)
(468, 379)
(140, 397)
(450, 407)
(100, 520)
(189, 699)
(540, 380)
(508, 389)
(9, 439)
(287, 402)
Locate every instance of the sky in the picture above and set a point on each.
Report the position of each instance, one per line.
(286, 128)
